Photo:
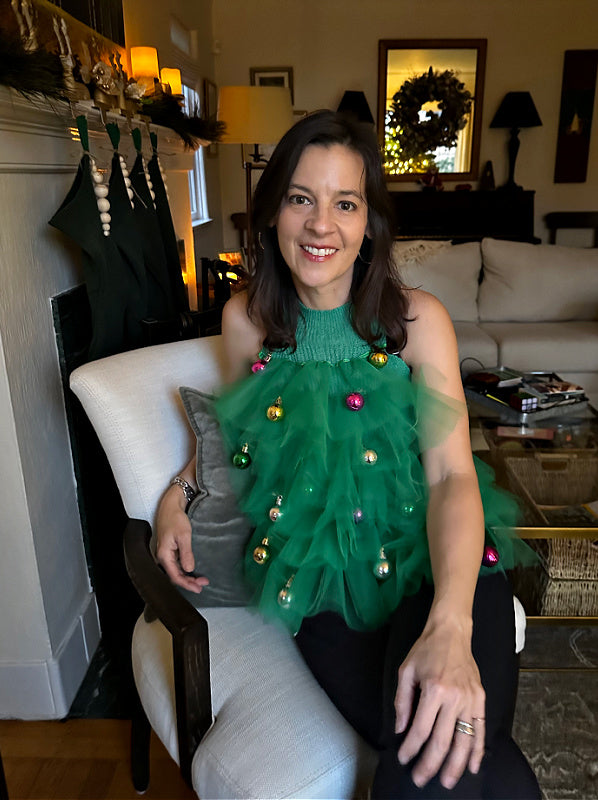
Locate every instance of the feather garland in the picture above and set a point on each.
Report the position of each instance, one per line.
(195, 130)
(31, 72)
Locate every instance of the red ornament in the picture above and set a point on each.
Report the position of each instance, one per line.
(490, 557)
(260, 364)
(354, 401)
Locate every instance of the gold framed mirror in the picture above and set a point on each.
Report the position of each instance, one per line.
(430, 98)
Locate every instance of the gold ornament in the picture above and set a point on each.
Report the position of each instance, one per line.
(261, 554)
(370, 456)
(275, 412)
(382, 567)
(378, 359)
(285, 596)
(276, 511)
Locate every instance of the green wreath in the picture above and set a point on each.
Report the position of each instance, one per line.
(410, 139)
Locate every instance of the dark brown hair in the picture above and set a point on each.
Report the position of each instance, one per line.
(379, 304)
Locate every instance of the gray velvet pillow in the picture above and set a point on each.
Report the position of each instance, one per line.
(219, 529)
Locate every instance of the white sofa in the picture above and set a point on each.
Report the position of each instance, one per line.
(525, 306)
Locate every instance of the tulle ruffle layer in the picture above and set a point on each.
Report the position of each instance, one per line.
(338, 496)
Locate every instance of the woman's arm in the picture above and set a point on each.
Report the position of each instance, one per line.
(441, 664)
(242, 341)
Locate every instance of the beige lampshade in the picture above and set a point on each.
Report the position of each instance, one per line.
(254, 114)
(144, 62)
(173, 78)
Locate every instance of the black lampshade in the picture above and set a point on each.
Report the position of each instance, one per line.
(355, 103)
(517, 110)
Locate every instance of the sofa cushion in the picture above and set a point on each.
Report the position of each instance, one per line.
(537, 283)
(219, 531)
(476, 348)
(450, 272)
(562, 347)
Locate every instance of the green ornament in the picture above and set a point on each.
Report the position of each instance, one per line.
(407, 509)
(242, 460)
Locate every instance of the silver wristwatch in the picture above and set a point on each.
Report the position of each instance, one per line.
(188, 490)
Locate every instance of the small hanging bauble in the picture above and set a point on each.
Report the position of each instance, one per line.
(382, 567)
(490, 557)
(407, 509)
(354, 401)
(242, 460)
(370, 456)
(275, 412)
(357, 516)
(261, 554)
(378, 359)
(275, 512)
(260, 364)
(285, 596)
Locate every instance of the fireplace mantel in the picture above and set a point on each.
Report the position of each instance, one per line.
(49, 624)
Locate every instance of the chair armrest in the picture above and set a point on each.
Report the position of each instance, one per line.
(190, 645)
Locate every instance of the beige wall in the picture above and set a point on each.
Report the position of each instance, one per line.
(332, 46)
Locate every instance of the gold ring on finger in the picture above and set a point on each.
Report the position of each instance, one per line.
(464, 727)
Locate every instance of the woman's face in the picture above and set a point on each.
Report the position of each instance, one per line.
(321, 223)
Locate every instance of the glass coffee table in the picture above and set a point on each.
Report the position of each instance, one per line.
(552, 466)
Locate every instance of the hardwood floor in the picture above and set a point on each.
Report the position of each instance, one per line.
(81, 759)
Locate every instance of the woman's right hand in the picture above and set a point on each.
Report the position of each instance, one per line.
(173, 534)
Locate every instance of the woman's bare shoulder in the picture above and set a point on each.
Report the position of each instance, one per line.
(242, 337)
(429, 328)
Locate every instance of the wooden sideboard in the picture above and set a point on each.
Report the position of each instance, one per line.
(465, 215)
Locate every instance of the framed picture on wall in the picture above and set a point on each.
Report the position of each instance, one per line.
(273, 76)
(210, 107)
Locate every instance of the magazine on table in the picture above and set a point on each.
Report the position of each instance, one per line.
(524, 391)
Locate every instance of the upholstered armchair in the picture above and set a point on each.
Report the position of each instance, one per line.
(228, 695)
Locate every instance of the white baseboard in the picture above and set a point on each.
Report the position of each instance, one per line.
(46, 689)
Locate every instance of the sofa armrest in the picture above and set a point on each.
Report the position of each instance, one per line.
(189, 631)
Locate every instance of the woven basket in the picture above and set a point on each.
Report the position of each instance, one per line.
(572, 559)
(555, 479)
(569, 598)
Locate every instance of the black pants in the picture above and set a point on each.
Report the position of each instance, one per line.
(359, 673)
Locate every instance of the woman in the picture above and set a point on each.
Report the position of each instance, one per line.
(351, 435)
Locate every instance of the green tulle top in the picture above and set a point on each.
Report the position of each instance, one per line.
(327, 446)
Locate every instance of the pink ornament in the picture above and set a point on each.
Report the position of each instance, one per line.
(490, 557)
(354, 401)
(357, 516)
(258, 366)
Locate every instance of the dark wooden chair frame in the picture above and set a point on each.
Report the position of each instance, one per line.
(571, 219)
(191, 655)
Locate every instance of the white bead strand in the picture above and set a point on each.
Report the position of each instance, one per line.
(101, 192)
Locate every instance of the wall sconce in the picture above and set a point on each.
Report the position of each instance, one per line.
(516, 111)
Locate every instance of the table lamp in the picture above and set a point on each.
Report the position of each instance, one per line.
(356, 104)
(254, 115)
(516, 111)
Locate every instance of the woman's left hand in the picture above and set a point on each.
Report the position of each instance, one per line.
(441, 665)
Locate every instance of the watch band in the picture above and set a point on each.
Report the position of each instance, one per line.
(188, 490)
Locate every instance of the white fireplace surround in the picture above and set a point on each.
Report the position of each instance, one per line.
(49, 626)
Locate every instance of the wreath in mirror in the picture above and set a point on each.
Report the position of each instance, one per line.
(410, 138)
